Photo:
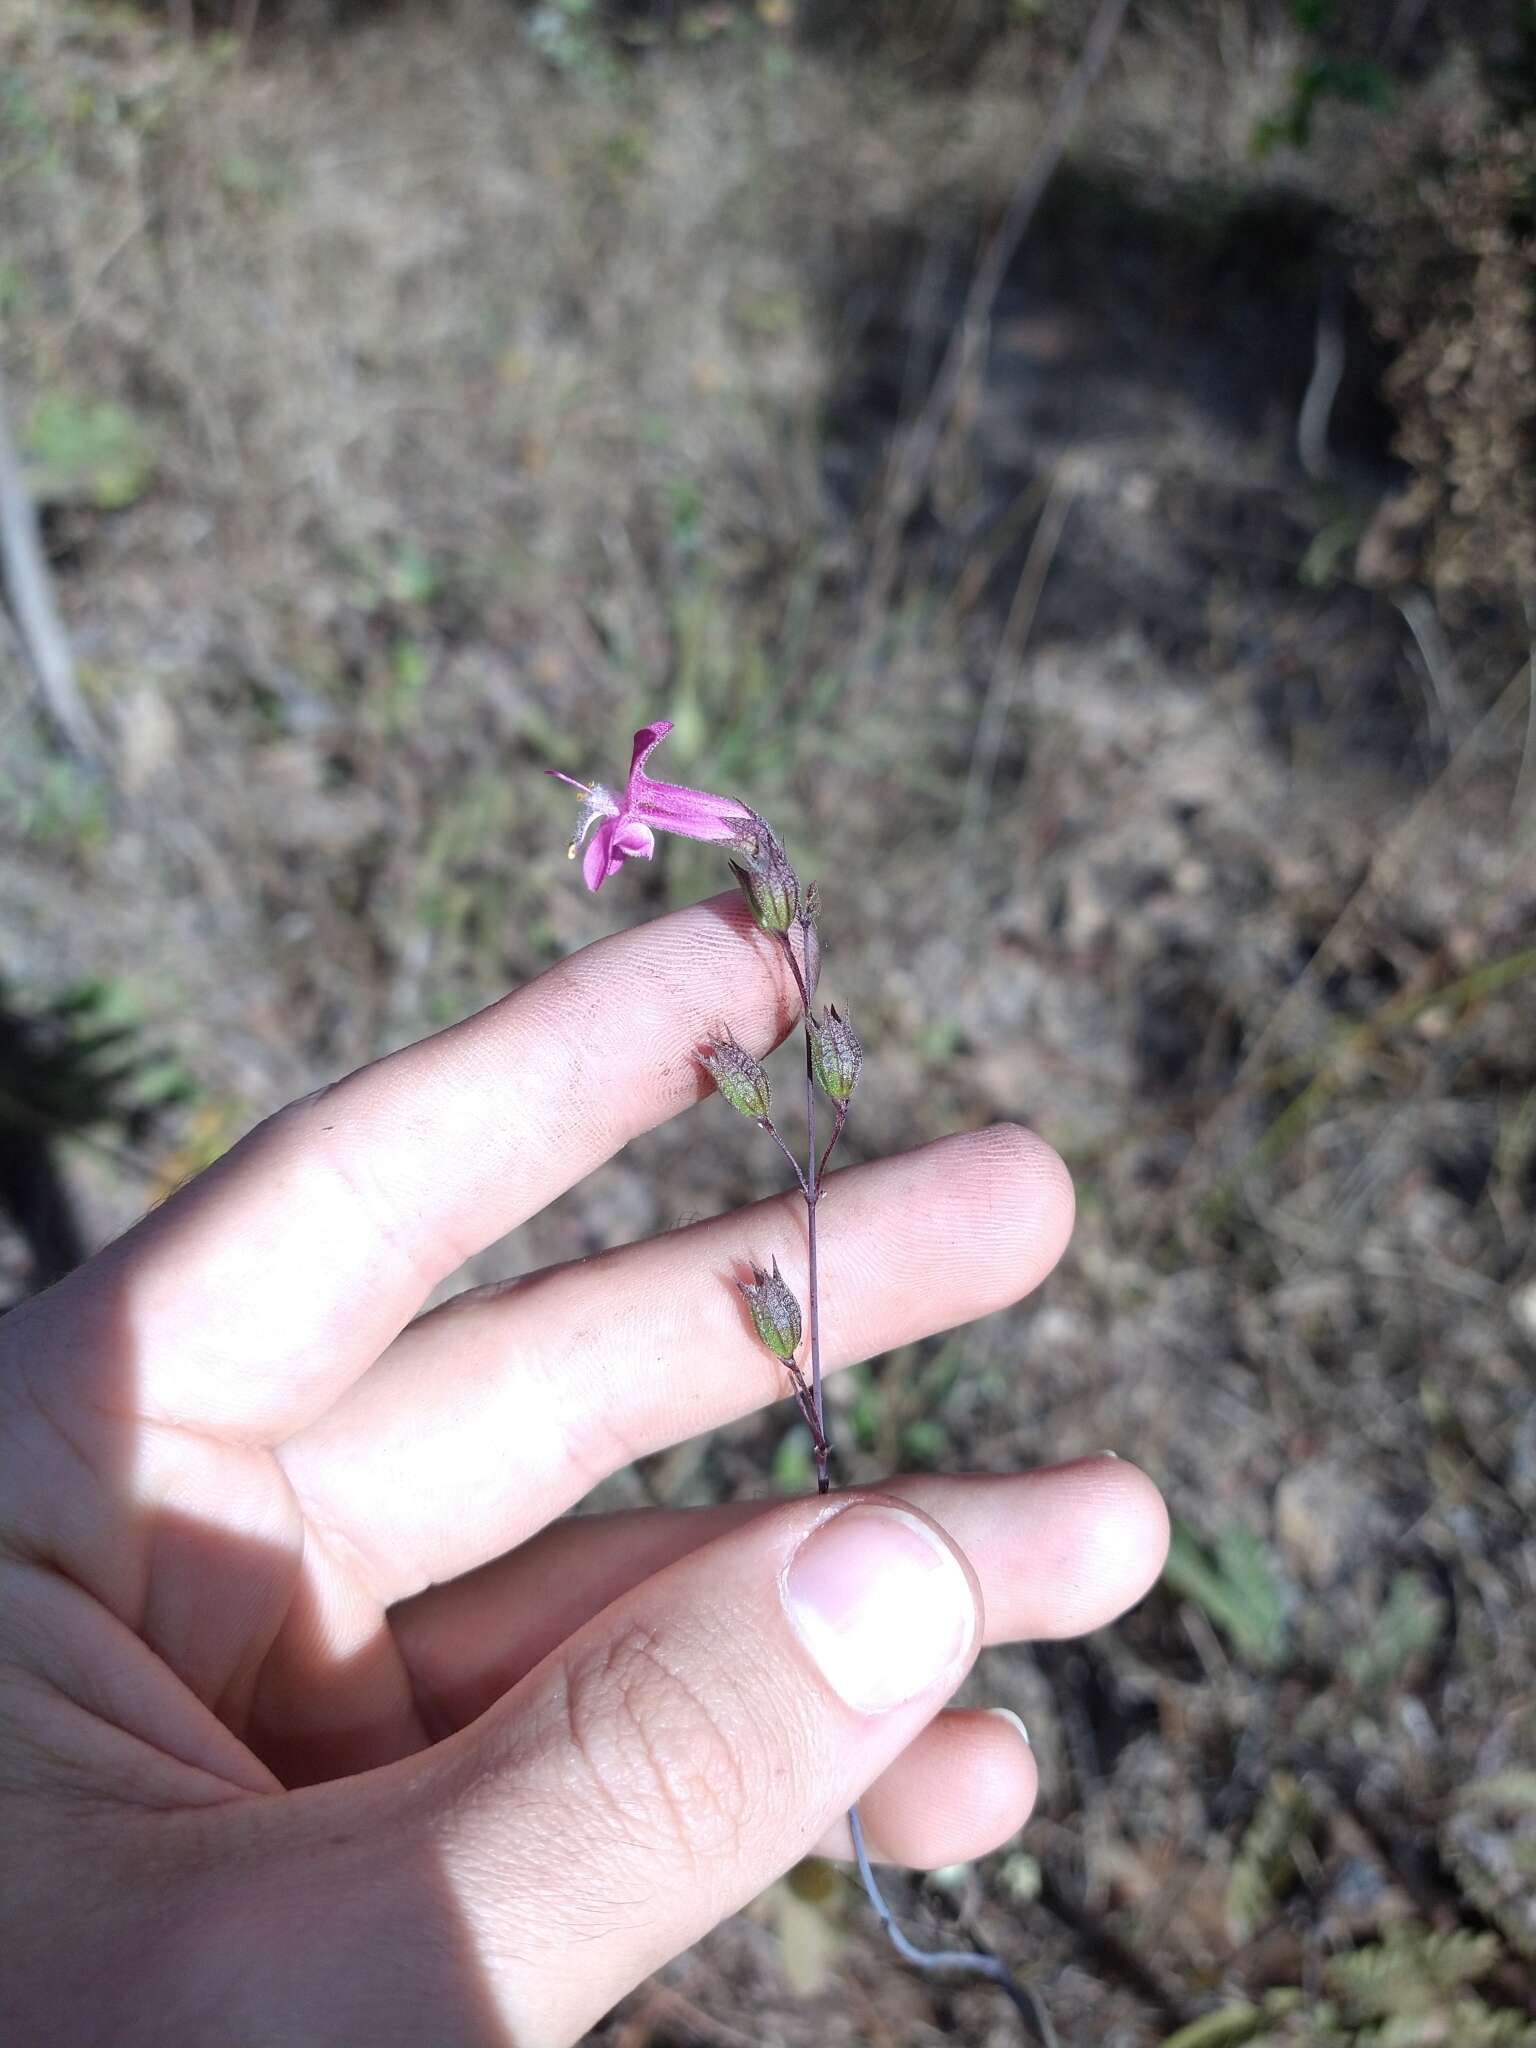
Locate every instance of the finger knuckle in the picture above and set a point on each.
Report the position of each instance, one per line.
(665, 1756)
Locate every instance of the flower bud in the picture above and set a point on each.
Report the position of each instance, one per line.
(739, 1077)
(774, 1310)
(836, 1055)
(767, 880)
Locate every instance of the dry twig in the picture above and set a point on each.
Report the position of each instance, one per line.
(29, 587)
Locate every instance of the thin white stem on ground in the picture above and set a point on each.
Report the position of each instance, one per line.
(29, 586)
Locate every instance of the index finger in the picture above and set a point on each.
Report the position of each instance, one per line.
(261, 1290)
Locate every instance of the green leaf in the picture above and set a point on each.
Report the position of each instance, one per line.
(83, 451)
(410, 578)
(1409, 1622)
(1409, 1972)
(1232, 2027)
(1514, 1789)
(1236, 1585)
(1265, 1865)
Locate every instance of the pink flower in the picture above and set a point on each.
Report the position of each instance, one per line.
(627, 825)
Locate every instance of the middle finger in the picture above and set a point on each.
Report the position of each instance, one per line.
(493, 1415)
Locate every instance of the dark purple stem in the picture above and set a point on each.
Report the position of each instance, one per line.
(810, 1188)
(837, 1132)
(812, 1193)
(823, 1473)
(972, 1962)
(767, 1123)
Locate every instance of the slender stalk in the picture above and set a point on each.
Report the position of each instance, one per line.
(973, 1962)
(794, 967)
(812, 1197)
(767, 1123)
(823, 1467)
(837, 1132)
(810, 1189)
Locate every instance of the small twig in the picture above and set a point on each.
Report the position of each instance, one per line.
(1447, 700)
(29, 586)
(1312, 449)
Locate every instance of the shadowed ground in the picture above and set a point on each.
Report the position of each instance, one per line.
(426, 400)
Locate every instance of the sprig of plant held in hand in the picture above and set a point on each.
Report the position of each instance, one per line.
(613, 828)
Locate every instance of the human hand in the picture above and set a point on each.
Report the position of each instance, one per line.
(316, 1725)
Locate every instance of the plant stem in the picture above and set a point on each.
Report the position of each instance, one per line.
(767, 1123)
(810, 1186)
(837, 1132)
(974, 1962)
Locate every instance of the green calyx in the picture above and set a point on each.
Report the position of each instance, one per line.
(739, 1078)
(774, 1311)
(836, 1055)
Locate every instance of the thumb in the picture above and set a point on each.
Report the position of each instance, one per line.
(690, 1744)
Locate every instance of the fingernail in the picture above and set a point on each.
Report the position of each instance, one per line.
(1111, 1454)
(1007, 1714)
(882, 1605)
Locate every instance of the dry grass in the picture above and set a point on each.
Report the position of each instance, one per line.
(493, 406)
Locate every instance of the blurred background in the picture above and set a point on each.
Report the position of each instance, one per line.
(1109, 557)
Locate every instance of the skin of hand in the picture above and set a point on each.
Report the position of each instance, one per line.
(319, 1724)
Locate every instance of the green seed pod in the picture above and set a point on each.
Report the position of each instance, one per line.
(739, 1078)
(768, 882)
(836, 1055)
(774, 1310)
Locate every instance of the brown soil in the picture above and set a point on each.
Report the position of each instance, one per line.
(498, 393)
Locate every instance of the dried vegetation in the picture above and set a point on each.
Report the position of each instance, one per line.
(422, 396)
